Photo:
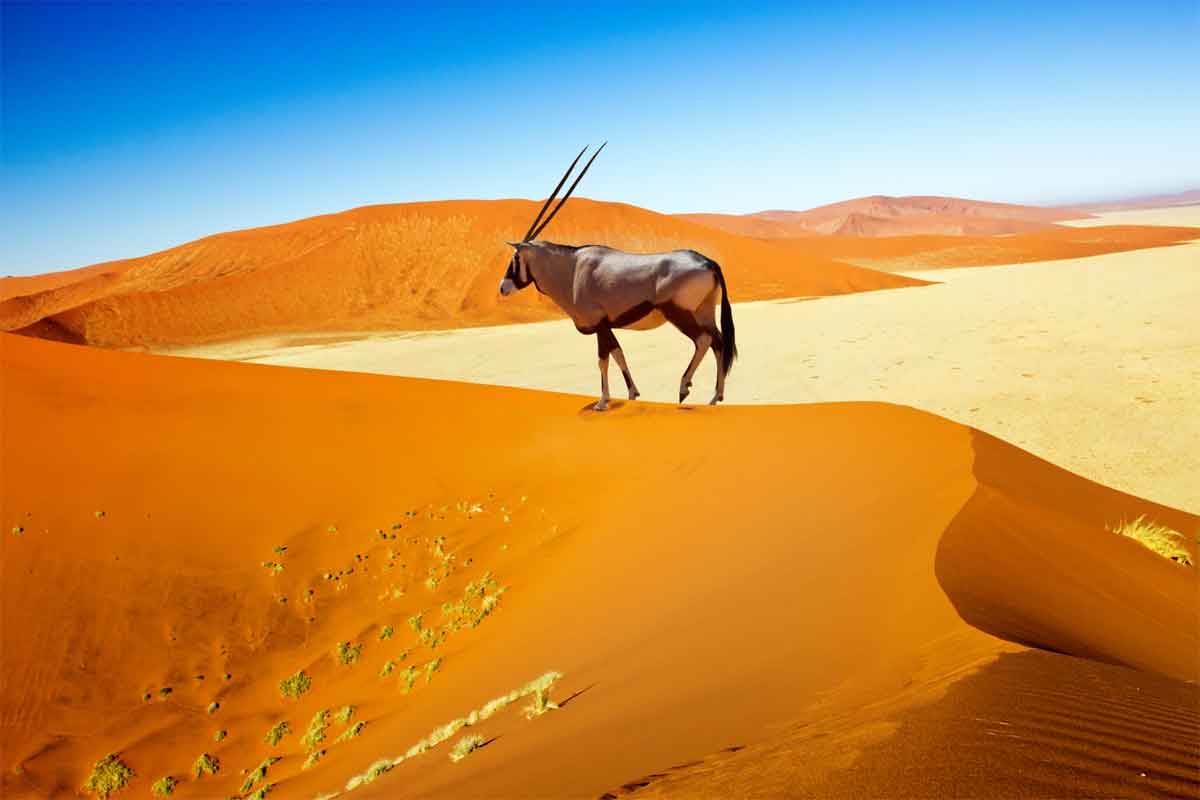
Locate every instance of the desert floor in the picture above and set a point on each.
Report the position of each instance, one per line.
(1090, 363)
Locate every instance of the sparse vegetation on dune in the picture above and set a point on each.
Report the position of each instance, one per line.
(277, 732)
(348, 653)
(258, 773)
(206, 763)
(385, 633)
(344, 714)
(295, 685)
(109, 775)
(1165, 541)
(465, 746)
(220, 735)
(539, 688)
(313, 758)
(163, 786)
(316, 730)
(352, 732)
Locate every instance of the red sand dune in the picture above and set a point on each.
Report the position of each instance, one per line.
(819, 600)
(411, 266)
(879, 215)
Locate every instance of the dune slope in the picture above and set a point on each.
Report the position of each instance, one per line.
(412, 266)
(702, 578)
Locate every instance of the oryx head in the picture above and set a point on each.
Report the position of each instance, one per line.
(518, 275)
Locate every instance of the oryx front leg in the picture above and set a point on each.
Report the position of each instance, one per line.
(605, 344)
(702, 340)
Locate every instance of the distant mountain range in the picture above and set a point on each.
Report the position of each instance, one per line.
(1187, 197)
(880, 215)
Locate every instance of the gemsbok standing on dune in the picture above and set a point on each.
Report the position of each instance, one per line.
(601, 289)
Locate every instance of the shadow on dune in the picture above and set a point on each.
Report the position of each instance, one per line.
(1030, 559)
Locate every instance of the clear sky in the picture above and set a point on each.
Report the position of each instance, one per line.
(131, 128)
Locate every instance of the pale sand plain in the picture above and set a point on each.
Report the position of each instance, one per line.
(1188, 216)
(1090, 363)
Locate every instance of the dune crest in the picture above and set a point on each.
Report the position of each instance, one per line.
(412, 266)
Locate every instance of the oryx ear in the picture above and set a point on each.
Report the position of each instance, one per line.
(515, 245)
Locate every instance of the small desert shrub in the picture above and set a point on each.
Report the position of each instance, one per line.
(414, 622)
(18, 530)
(220, 735)
(206, 763)
(110, 774)
(352, 732)
(388, 666)
(465, 746)
(277, 732)
(274, 566)
(348, 653)
(316, 730)
(410, 677)
(164, 691)
(377, 769)
(262, 792)
(258, 773)
(280, 550)
(213, 706)
(163, 786)
(313, 758)
(296, 685)
(1166, 542)
(431, 668)
(344, 714)
(386, 633)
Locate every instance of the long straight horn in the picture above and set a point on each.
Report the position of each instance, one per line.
(550, 199)
(558, 207)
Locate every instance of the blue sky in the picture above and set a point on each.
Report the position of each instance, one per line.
(131, 128)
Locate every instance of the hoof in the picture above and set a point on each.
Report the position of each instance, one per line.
(601, 405)
(682, 396)
(634, 394)
(716, 399)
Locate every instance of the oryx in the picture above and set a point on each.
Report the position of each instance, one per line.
(601, 288)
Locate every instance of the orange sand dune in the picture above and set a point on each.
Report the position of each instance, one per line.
(879, 215)
(704, 579)
(411, 266)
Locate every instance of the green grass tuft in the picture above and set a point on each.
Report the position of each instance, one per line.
(258, 773)
(386, 633)
(352, 732)
(1165, 541)
(431, 668)
(344, 714)
(163, 786)
(206, 763)
(313, 757)
(110, 774)
(277, 732)
(316, 730)
(295, 685)
(220, 735)
(465, 746)
(348, 653)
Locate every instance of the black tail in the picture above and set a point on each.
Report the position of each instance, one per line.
(728, 333)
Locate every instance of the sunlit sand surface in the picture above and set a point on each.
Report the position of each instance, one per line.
(1091, 363)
